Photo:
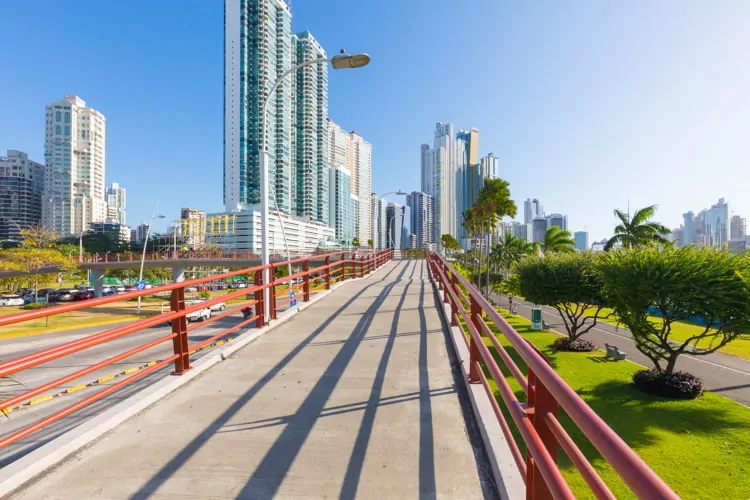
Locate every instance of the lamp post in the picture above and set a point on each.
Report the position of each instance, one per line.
(339, 61)
(388, 229)
(143, 255)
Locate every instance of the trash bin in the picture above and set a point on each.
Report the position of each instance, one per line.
(536, 319)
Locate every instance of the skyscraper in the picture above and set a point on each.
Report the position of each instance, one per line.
(737, 229)
(310, 168)
(558, 220)
(688, 234)
(538, 228)
(379, 234)
(74, 157)
(450, 157)
(117, 202)
(395, 220)
(421, 218)
(531, 208)
(582, 240)
(341, 205)
(471, 138)
(716, 223)
(257, 52)
(428, 169)
(21, 188)
(360, 166)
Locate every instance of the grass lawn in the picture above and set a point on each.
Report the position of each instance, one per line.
(681, 331)
(701, 448)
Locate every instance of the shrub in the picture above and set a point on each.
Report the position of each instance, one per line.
(572, 284)
(34, 305)
(205, 294)
(573, 345)
(682, 284)
(669, 385)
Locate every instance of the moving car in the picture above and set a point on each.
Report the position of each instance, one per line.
(11, 300)
(65, 295)
(83, 295)
(214, 307)
(199, 315)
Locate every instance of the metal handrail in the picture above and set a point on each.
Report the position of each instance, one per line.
(179, 336)
(544, 384)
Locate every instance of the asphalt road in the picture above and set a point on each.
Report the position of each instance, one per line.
(723, 374)
(28, 379)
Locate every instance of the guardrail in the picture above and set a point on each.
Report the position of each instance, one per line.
(193, 254)
(536, 420)
(337, 266)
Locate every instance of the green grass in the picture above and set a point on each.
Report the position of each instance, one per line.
(682, 331)
(701, 448)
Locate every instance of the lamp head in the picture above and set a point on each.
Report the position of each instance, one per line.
(349, 61)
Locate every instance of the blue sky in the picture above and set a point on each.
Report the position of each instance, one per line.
(589, 105)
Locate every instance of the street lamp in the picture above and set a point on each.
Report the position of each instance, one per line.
(388, 229)
(339, 61)
(143, 256)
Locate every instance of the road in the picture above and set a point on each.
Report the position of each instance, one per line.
(723, 374)
(28, 379)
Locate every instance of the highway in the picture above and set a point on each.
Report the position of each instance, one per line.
(34, 377)
(723, 374)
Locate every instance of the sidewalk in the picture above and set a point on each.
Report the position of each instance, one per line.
(352, 397)
(723, 374)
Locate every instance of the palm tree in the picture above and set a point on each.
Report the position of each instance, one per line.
(638, 230)
(508, 252)
(558, 240)
(494, 203)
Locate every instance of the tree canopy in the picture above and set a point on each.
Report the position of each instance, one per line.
(705, 285)
(558, 240)
(637, 230)
(571, 283)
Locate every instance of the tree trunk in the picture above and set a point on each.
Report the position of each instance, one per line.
(671, 362)
(489, 240)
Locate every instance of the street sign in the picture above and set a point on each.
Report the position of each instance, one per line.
(140, 285)
(293, 298)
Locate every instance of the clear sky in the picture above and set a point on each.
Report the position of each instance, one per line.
(587, 104)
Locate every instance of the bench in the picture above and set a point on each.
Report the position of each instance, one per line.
(615, 352)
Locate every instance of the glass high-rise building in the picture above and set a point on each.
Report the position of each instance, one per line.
(421, 219)
(310, 166)
(21, 187)
(117, 202)
(582, 240)
(257, 52)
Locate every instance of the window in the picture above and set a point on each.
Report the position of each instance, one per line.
(58, 116)
(67, 117)
(57, 128)
(67, 129)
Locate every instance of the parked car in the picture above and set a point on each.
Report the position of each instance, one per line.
(120, 289)
(199, 315)
(130, 288)
(107, 291)
(46, 295)
(190, 289)
(11, 300)
(30, 297)
(65, 295)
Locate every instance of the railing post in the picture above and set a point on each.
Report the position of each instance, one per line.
(474, 356)
(328, 272)
(272, 295)
(360, 265)
(259, 309)
(541, 402)
(179, 328)
(306, 282)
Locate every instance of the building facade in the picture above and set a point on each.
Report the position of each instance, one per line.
(116, 203)
(303, 236)
(557, 220)
(582, 240)
(21, 190)
(74, 157)
(311, 158)
(379, 222)
(192, 227)
(538, 228)
(341, 205)
(421, 208)
(257, 51)
(397, 226)
(737, 230)
(360, 166)
(118, 233)
(531, 208)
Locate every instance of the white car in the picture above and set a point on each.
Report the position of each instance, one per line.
(199, 315)
(215, 307)
(11, 300)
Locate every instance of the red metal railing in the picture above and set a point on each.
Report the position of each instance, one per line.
(336, 266)
(536, 420)
(187, 254)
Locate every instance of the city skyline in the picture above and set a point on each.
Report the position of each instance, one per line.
(588, 132)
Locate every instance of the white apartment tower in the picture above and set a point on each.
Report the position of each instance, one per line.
(116, 203)
(74, 156)
(360, 166)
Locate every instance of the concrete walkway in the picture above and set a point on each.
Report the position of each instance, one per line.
(722, 374)
(352, 397)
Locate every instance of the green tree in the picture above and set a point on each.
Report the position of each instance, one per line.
(558, 240)
(682, 284)
(33, 260)
(494, 203)
(38, 237)
(369, 243)
(638, 230)
(508, 252)
(510, 286)
(355, 242)
(571, 283)
(448, 242)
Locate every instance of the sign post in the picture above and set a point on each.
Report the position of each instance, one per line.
(536, 319)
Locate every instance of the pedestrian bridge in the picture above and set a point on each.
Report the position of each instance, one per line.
(366, 390)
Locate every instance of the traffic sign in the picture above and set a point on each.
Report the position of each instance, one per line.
(140, 285)
(293, 298)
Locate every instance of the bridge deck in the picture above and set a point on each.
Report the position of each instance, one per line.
(352, 397)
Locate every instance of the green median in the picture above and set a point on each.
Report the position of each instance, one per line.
(700, 447)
